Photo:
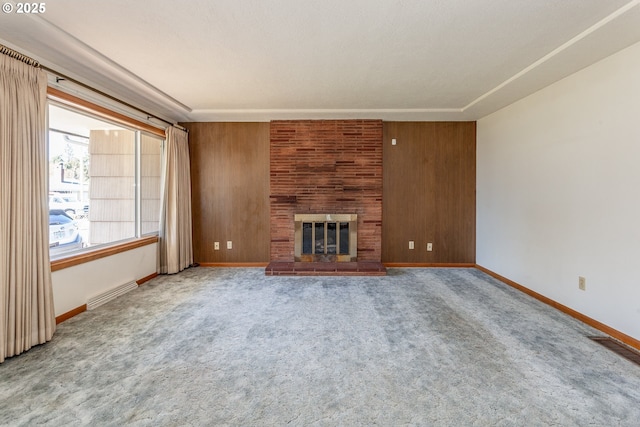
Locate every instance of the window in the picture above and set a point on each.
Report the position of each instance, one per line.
(150, 164)
(104, 180)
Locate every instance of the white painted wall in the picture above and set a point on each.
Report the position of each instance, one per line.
(73, 286)
(558, 191)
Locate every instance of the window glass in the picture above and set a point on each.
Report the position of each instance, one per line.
(112, 189)
(150, 164)
(93, 178)
(64, 234)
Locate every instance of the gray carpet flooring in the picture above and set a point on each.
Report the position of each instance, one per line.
(441, 347)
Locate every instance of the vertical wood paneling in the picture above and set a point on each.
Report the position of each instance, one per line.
(429, 192)
(230, 190)
(428, 188)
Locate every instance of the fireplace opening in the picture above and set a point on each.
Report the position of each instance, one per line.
(325, 237)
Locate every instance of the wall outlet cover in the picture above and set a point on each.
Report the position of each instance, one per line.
(582, 283)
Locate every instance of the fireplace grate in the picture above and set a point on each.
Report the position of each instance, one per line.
(619, 348)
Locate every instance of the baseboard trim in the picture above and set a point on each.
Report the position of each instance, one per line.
(429, 264)
(234, 264)
(71, 313)
(146, 279)
(614, 333)
(386, 264)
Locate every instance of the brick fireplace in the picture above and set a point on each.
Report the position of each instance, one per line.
(326, 167)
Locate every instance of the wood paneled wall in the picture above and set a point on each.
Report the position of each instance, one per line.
(429, 192)
(230, 191)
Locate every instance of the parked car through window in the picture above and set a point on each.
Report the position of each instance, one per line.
(64, 235)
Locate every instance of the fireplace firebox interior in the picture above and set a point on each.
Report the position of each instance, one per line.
(326, 237)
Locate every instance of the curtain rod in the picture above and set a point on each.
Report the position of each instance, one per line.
(61, 77)
(17, 55)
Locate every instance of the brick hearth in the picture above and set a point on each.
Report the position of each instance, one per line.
(362, 268)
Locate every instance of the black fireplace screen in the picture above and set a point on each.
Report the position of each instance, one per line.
(326, 237)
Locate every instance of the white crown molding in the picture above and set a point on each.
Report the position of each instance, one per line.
(571, 56)
(265, 115)
(61, 52)
(86, 52)
(560, 49)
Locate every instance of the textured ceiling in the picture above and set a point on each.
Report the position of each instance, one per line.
(265, 59)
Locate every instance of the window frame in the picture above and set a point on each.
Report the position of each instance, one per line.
(89, 254)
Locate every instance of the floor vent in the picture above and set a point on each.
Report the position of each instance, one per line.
(105, 297)
(617, 347)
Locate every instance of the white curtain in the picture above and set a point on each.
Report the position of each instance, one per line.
(26, 298)
(176, 248)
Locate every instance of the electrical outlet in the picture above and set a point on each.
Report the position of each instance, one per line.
(229, 244)
(429, 247)
(411, 245)
(216, 246)
(582, 283)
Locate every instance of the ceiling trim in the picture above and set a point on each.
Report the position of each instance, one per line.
(467, 112)
(97, 70)
(265, 115)
(91, 52)
(330, 111)
(624, 9)
(65, 55)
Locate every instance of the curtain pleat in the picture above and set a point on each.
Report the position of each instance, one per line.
(27, 315)
(175, 246)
